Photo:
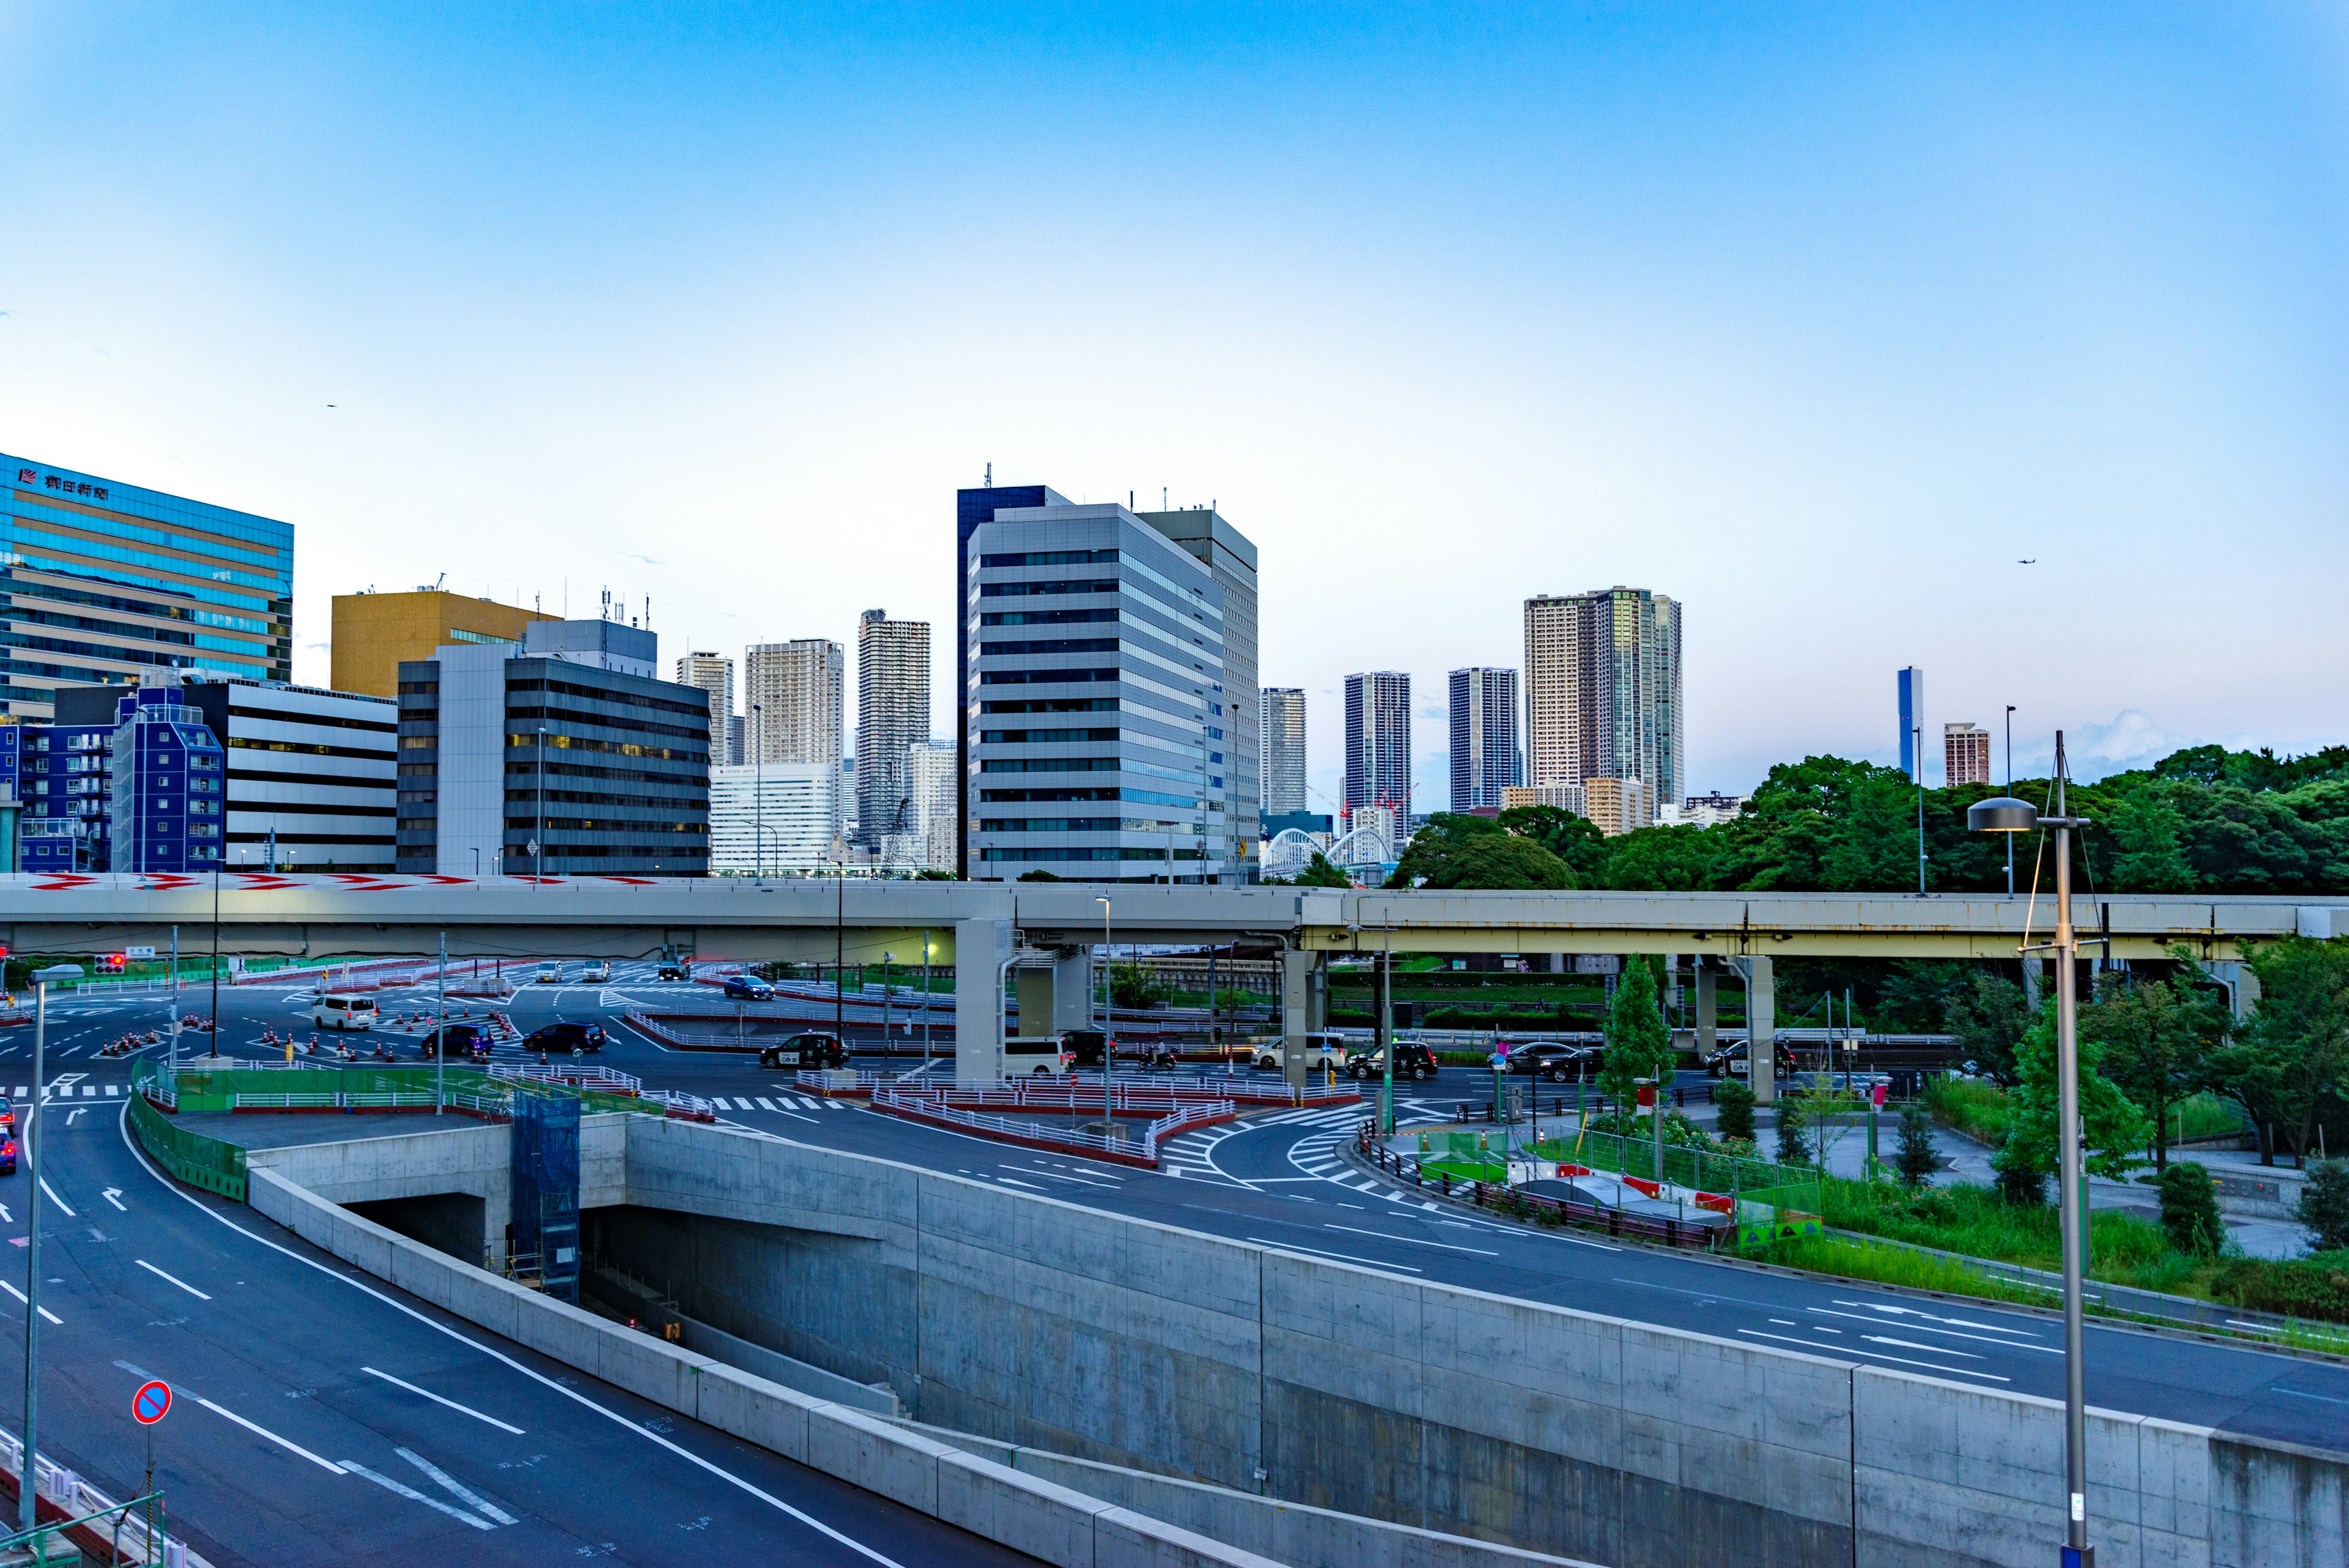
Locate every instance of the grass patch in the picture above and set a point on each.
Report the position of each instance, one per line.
(1888, 1266)
(1977, 1109)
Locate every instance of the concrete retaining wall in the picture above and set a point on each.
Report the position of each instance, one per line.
(1028, 1513)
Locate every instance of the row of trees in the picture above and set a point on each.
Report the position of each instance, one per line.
(2205, 820)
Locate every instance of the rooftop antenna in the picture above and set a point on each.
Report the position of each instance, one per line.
(438, 581)
(990, 476)
(1162, 498)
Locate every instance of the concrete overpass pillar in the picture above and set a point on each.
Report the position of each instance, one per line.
(982, 950)
(2033, 969)
(1761, 1030)
(1037, 993)
(2242, 983)
(1708, 1032)
(1296, 976)
(1073, 989)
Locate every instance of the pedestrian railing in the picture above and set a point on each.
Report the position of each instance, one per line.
(947, 1106)
(96, 1525)
(680, 1105)
(603, 1080)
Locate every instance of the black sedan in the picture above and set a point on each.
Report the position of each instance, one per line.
(814, 1049)
(1730, 1061)
(564, 1038)
(1555, 1060)
(459, 1038)
(1412, 1060)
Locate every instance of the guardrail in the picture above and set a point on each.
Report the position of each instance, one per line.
(70, 1506)
(1501, 1199)
(200, 1161)
(603, 1080)
(935, 1106)
(682, 1106)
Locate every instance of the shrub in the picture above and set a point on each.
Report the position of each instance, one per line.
(2315, 1286)
(2020, 1182)
(1977, 1109)
(1917, 1159)
(2190, 1208)
(2323, 1205)
(1735, 1102)
(1794, 1149)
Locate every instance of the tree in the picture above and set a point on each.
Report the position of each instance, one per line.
(1637, 1043)
(2292, 1054)
(1319, 873)
(1039, 875)
(932, 874)
(1735, 1102)
(2323, 1204)
(1988, 1019)
(1917, 1159)
(2110, 1125)
(1793, 1148)
(2156, 1040)
(2189, 1210)
(1575, 840)
(1459, 850)
(1136, 985)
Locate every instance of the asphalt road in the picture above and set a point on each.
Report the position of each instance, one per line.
(321, 1416)
(291, 1361)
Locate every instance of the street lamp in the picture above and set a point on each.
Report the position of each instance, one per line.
(538, 844)
(2005, 814)
(1109, 1027)
(758, 790)
(2009, 790)
(1385, 1023)
(32, 1139)
(840, 952)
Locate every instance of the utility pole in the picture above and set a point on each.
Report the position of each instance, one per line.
(2009, 790)
(35, 1136)
(1919, 750)
(538, 844)
(758, 792)
(440, 1032)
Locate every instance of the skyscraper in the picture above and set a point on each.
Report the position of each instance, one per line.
(1282, 726)
(930, 785)
(1603, 691)
(1097, 731)
(1231, 558)
(892, 712)
(103, 582)
(1910, 685)
(1378, 741)
(973, 508)
(713, 673)
(1485, 757)
(1965, 754)
(795, 692)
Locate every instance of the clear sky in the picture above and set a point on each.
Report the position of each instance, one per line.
(1819, 318)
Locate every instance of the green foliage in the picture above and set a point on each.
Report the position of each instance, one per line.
(1457, 850)
(2190, 1208)
(2110, 1122)
(2315, 1286)
(1988, 1017)
(1136, 985)
(1637, 1045)
(1320, 872)
(932, 874)
(1794, 1147)
(1977, 1109)
(1735, 1102)
(1575, 840)
(1917, 1160)
(2323, 1204)
(1039, 875)
(2290, 1057)
(2156, 1040)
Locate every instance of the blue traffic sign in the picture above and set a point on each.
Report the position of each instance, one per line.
(152, 1403)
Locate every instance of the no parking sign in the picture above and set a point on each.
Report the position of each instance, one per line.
(152, 1403)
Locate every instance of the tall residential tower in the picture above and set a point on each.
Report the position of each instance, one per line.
(892, 712)
(1282, 726)
(1485, 756)
(713, 673)
(1603, 694)
(1378, 742)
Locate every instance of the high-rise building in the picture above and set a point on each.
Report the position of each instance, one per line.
(1231, 558)
(167, 775)
(1910, 686)
(892, 712)
(1965, 754)
(714, 673)
(1097, 725)
(1378, 741)
(735, 756)
(973, 508)
(1603, 691)
(931, 785)
(569, 743)
(1485, 756)
(1282, 726)
(772, 818)
(102, 582)
(794, 693)
(374, 633)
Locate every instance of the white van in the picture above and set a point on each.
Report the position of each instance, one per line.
(1024, 1054)
(597, 973)
(336, 1010)
(551, 972)
(1322, 1051)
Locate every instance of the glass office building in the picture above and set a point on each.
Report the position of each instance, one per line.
(1095, 719)
(102, 582)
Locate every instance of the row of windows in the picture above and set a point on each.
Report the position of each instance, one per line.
(1053, 705)
(242, 743)
(1020, 590)
(152, 561)
(583, 797)
(617, 748)
(605, 721)
(267, 558)
(171, 515)
(120, 577)
(1049, 617)
(279, 716)
(1049, 765)
(1041, 737)
(257, 661)
(607, 824)
(1044, 677)
(1063, 645)
(1051, 796)
(616, 698)
(1082, 824)
(1052, 558)
(1056, 853)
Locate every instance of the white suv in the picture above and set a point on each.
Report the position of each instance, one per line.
(334, 1012)
(1321, 1051)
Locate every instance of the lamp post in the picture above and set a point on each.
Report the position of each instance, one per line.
(840, 952)
(538, 844)
(32, 1139)
(886, 959)
(925, 1001)
(1918, 751)
(1109, 1035)
(2007, 814)
(1384, 1023)
(759, 791)
(2009, 790)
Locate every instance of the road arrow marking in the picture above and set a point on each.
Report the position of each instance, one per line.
(114, 1195)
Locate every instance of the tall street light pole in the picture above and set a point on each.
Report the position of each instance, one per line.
(840, 952)
(1109, 1038)
(2009, 790)
(34, 1138)
(1918, 751)
(759, 789)
(2010, 815)
(538, 845)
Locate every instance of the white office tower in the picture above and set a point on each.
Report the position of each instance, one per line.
(771, 817)
(1603, 693)
(714, 673)
(794, 693)
(1231, 558)
(1282, 725)
(931, 785)
(892, 712)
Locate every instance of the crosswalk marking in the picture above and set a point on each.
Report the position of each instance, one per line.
(766, 1105)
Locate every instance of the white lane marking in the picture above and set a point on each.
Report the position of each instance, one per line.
(287, 1444)
(1953, 1322)
(436, 1399)
(122, 1127)
(53, 1196)
(161, 1275)
(450, 1485)
(2304, 1394)
(1342, 1257)
(1879, 1355)
(1411, 1240)
(13, 1290)
(1015, 1181)
(766, 1105)
(114, 1195)
(409, 1492)
(1055, 1176)
(1912, 1344)
(1950, 1333)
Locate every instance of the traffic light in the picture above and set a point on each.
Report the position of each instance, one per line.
(112, 963)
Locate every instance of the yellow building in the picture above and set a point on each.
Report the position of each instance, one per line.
(373, 632)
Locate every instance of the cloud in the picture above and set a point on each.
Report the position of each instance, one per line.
(2133, 740)
(647, 560)
(320, 647)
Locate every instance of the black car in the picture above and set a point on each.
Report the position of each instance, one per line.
(1555, 1060)
(1730, 1061)
(1089, 1047)
(672, 971)
(1412, 1060)
(564, 1038)
(457, 1037)
(810, 1050)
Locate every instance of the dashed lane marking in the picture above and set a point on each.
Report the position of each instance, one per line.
(290, 1446)
(436, 1399)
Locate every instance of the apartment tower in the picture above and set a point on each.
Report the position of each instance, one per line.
(1282, 726)
(1378, 742)
(892, 712)
(713, 673)
(1965, 754)
(794, 693)
(1485, 756)
(1603, 693)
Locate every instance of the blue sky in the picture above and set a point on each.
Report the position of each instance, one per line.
(1817, 318)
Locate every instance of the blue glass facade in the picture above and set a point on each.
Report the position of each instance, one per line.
(101, 582)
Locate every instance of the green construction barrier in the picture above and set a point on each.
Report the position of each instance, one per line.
(198, 1160)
